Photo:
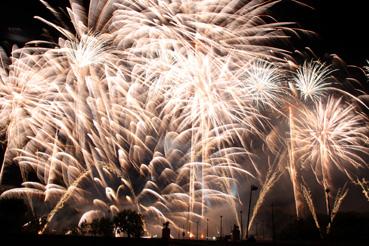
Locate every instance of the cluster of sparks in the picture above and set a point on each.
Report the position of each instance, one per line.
(155, 105)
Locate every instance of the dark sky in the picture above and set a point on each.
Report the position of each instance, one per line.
(342, 26)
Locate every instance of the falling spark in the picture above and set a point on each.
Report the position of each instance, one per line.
(309, 200)
(272, 178)
(340, 196)
(364, 184)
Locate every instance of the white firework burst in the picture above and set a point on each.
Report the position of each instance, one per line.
(312, 80)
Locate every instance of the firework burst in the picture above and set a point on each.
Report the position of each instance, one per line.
(335, 136)
(331, 136)
(311, 80)
(156, 106)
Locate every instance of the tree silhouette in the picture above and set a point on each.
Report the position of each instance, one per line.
(35, 225)
(98, 227)
(13, 215)
(83, 229)
(102, 227)
(129, 222)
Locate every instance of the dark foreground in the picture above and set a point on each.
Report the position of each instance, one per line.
(102, 241)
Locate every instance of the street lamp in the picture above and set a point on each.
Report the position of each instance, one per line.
(207, 228)
(241, 225)
(252, 188)
(221, 227)
(273, 225)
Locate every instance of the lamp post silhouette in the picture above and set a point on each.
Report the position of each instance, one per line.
(188, 222)
(207, 228)
(273, 225)
(252, 188)
(241, 229)
(221, 227)
(263, 229)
